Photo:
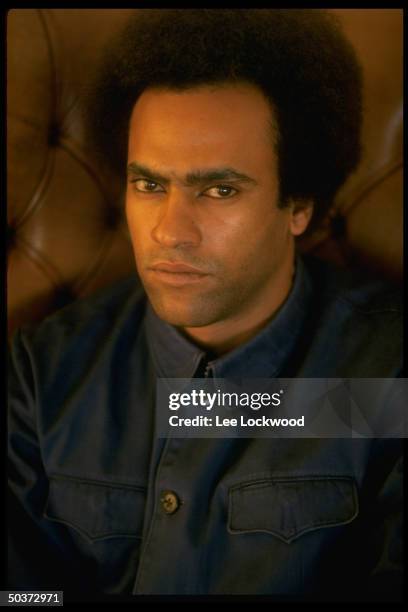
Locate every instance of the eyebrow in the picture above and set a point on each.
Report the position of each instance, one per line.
(196, 177)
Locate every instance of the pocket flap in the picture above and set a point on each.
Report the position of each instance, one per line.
(289, 507)
(96, 510)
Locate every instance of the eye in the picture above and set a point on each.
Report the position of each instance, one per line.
(220, 192)
(146, 185)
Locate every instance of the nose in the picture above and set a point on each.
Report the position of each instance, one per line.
(176, 225)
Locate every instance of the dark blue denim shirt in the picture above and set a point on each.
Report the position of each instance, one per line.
(297, 518)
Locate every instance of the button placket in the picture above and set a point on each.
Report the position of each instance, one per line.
(168, 502)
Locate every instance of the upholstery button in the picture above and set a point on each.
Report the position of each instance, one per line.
(53, 135)
(11, 236)
(112, 217)
(338, 226)
(169, 501)
(63, 296)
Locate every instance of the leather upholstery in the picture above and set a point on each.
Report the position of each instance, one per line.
(67, 235)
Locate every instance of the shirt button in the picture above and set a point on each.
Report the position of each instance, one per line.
(169, 502)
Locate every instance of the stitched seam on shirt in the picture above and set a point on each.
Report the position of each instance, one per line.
(361, 310)
(101, 483)
(315, 524)
(266, 480)
(87, 534)
(355, 509)
(292, 534)
(270, 484)
(25, 344)
(145, 556)
(294, 479)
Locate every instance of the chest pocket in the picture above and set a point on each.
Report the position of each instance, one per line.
(96, 510)
(289, 507)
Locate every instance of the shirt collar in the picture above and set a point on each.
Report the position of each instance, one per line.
(261, 357)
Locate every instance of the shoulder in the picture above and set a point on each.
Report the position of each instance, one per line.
(355, 290)
(87, 321)
(356, 321)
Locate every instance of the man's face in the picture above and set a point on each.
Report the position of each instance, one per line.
(211, 244)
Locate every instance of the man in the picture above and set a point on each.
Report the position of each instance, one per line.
(240, 126)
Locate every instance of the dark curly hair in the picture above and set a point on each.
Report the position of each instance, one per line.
(299, 58)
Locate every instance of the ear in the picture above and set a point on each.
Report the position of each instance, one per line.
(301, 213)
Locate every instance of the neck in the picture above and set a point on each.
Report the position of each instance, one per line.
(226, 335)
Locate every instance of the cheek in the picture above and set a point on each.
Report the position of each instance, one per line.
(138, 224)
(248, 239)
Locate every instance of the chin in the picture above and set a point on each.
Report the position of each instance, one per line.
(183, 315)
(180, 319)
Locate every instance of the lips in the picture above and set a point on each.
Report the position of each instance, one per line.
(176, 268)
(176, 274)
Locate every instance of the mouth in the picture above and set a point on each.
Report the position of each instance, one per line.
(176, 274)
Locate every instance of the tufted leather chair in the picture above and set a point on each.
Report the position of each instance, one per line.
(67, 235)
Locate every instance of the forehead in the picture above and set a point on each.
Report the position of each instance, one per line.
(228, 119)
